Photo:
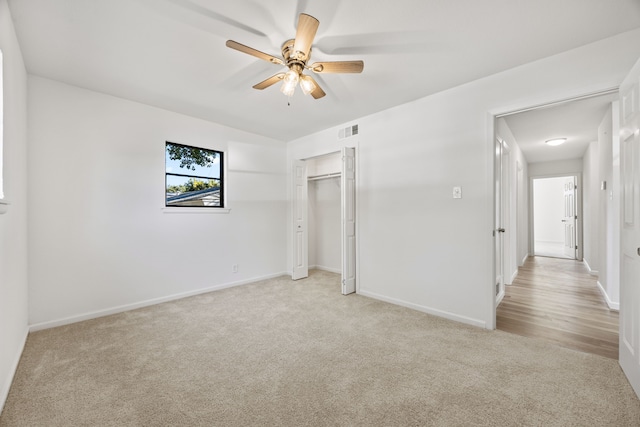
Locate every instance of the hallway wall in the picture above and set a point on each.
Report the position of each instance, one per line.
(591, 208)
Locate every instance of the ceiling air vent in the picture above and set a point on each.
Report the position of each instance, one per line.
(347, 132)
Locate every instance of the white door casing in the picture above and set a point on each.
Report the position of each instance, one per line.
(630, 234)
(348, 207)
(569, 218)
(300, 232)
(498, 231)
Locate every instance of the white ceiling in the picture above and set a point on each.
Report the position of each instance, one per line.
(577, 121)
(171, 53)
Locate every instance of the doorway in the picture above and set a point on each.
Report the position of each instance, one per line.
(324, 216)
(585, 121)
(555, 216)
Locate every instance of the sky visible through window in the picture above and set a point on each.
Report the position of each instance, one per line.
(173, 166)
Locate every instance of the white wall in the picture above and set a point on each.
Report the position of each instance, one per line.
(608, 236)
(99, 238)
(558, 167)
(417, 245)
(590, 208)
(13, 223)
(605, 146)
(612, 294)
(601, 207)
(548, 209)
(324, 231)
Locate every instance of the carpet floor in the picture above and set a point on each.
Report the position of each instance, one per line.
(279, 352)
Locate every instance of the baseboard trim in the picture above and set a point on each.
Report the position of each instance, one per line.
(146, 303)
(425, 309)
(513, 276)
(524, 259)
(591, 272)
(329, 269)
(499, 298)
(615, 306)
(4, 393)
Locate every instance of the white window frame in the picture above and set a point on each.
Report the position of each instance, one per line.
(199, 210)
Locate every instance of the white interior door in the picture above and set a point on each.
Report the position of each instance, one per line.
(630, 236)
(348, 206)
(499, 230)
(300, 232)
(569, 218)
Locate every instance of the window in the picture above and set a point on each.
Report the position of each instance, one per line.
(193, 177)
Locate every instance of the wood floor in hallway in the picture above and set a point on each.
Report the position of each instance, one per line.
(559, 301)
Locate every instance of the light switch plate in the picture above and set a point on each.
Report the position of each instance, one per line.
(457, 192)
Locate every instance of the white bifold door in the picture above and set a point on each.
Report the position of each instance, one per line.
(300, 243)
(630, 235)
(300, 220)
(348, 206)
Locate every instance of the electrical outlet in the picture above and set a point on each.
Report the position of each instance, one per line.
(235, 268)
(457, 192)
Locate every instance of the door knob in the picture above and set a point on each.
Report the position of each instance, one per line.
(564, 220)
(501, 230)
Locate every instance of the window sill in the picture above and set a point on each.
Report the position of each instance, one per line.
(4, 206)
(196, 210)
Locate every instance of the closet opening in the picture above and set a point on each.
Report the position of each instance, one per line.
(324, 222)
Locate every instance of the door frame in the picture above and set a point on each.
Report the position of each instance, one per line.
(491, 117)
(323, 153)
(577, 176)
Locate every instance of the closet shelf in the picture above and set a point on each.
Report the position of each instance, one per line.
(325, 176)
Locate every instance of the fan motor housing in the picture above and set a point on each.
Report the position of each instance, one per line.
(289, 57)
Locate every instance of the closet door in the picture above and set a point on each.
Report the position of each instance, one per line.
(300, 232)
(348, 206)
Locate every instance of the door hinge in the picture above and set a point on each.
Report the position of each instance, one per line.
(576, 217)
(575, 187)
(576, 247)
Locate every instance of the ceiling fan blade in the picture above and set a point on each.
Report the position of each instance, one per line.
(270, 81)
(337, 67)
(317, 93)
(251, 51)
(306, 32)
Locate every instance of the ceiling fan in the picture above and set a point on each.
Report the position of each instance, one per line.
(295, 55)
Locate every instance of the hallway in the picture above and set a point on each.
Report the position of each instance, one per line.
(559, 301)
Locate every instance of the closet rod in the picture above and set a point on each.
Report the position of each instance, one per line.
(325, 176)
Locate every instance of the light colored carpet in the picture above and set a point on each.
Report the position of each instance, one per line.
(298, 353)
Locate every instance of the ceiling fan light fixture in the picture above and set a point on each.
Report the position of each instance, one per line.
(291, 77)
(288, 88)
(289, 82)
(296, 53)
(556, 141)
(307, 85)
